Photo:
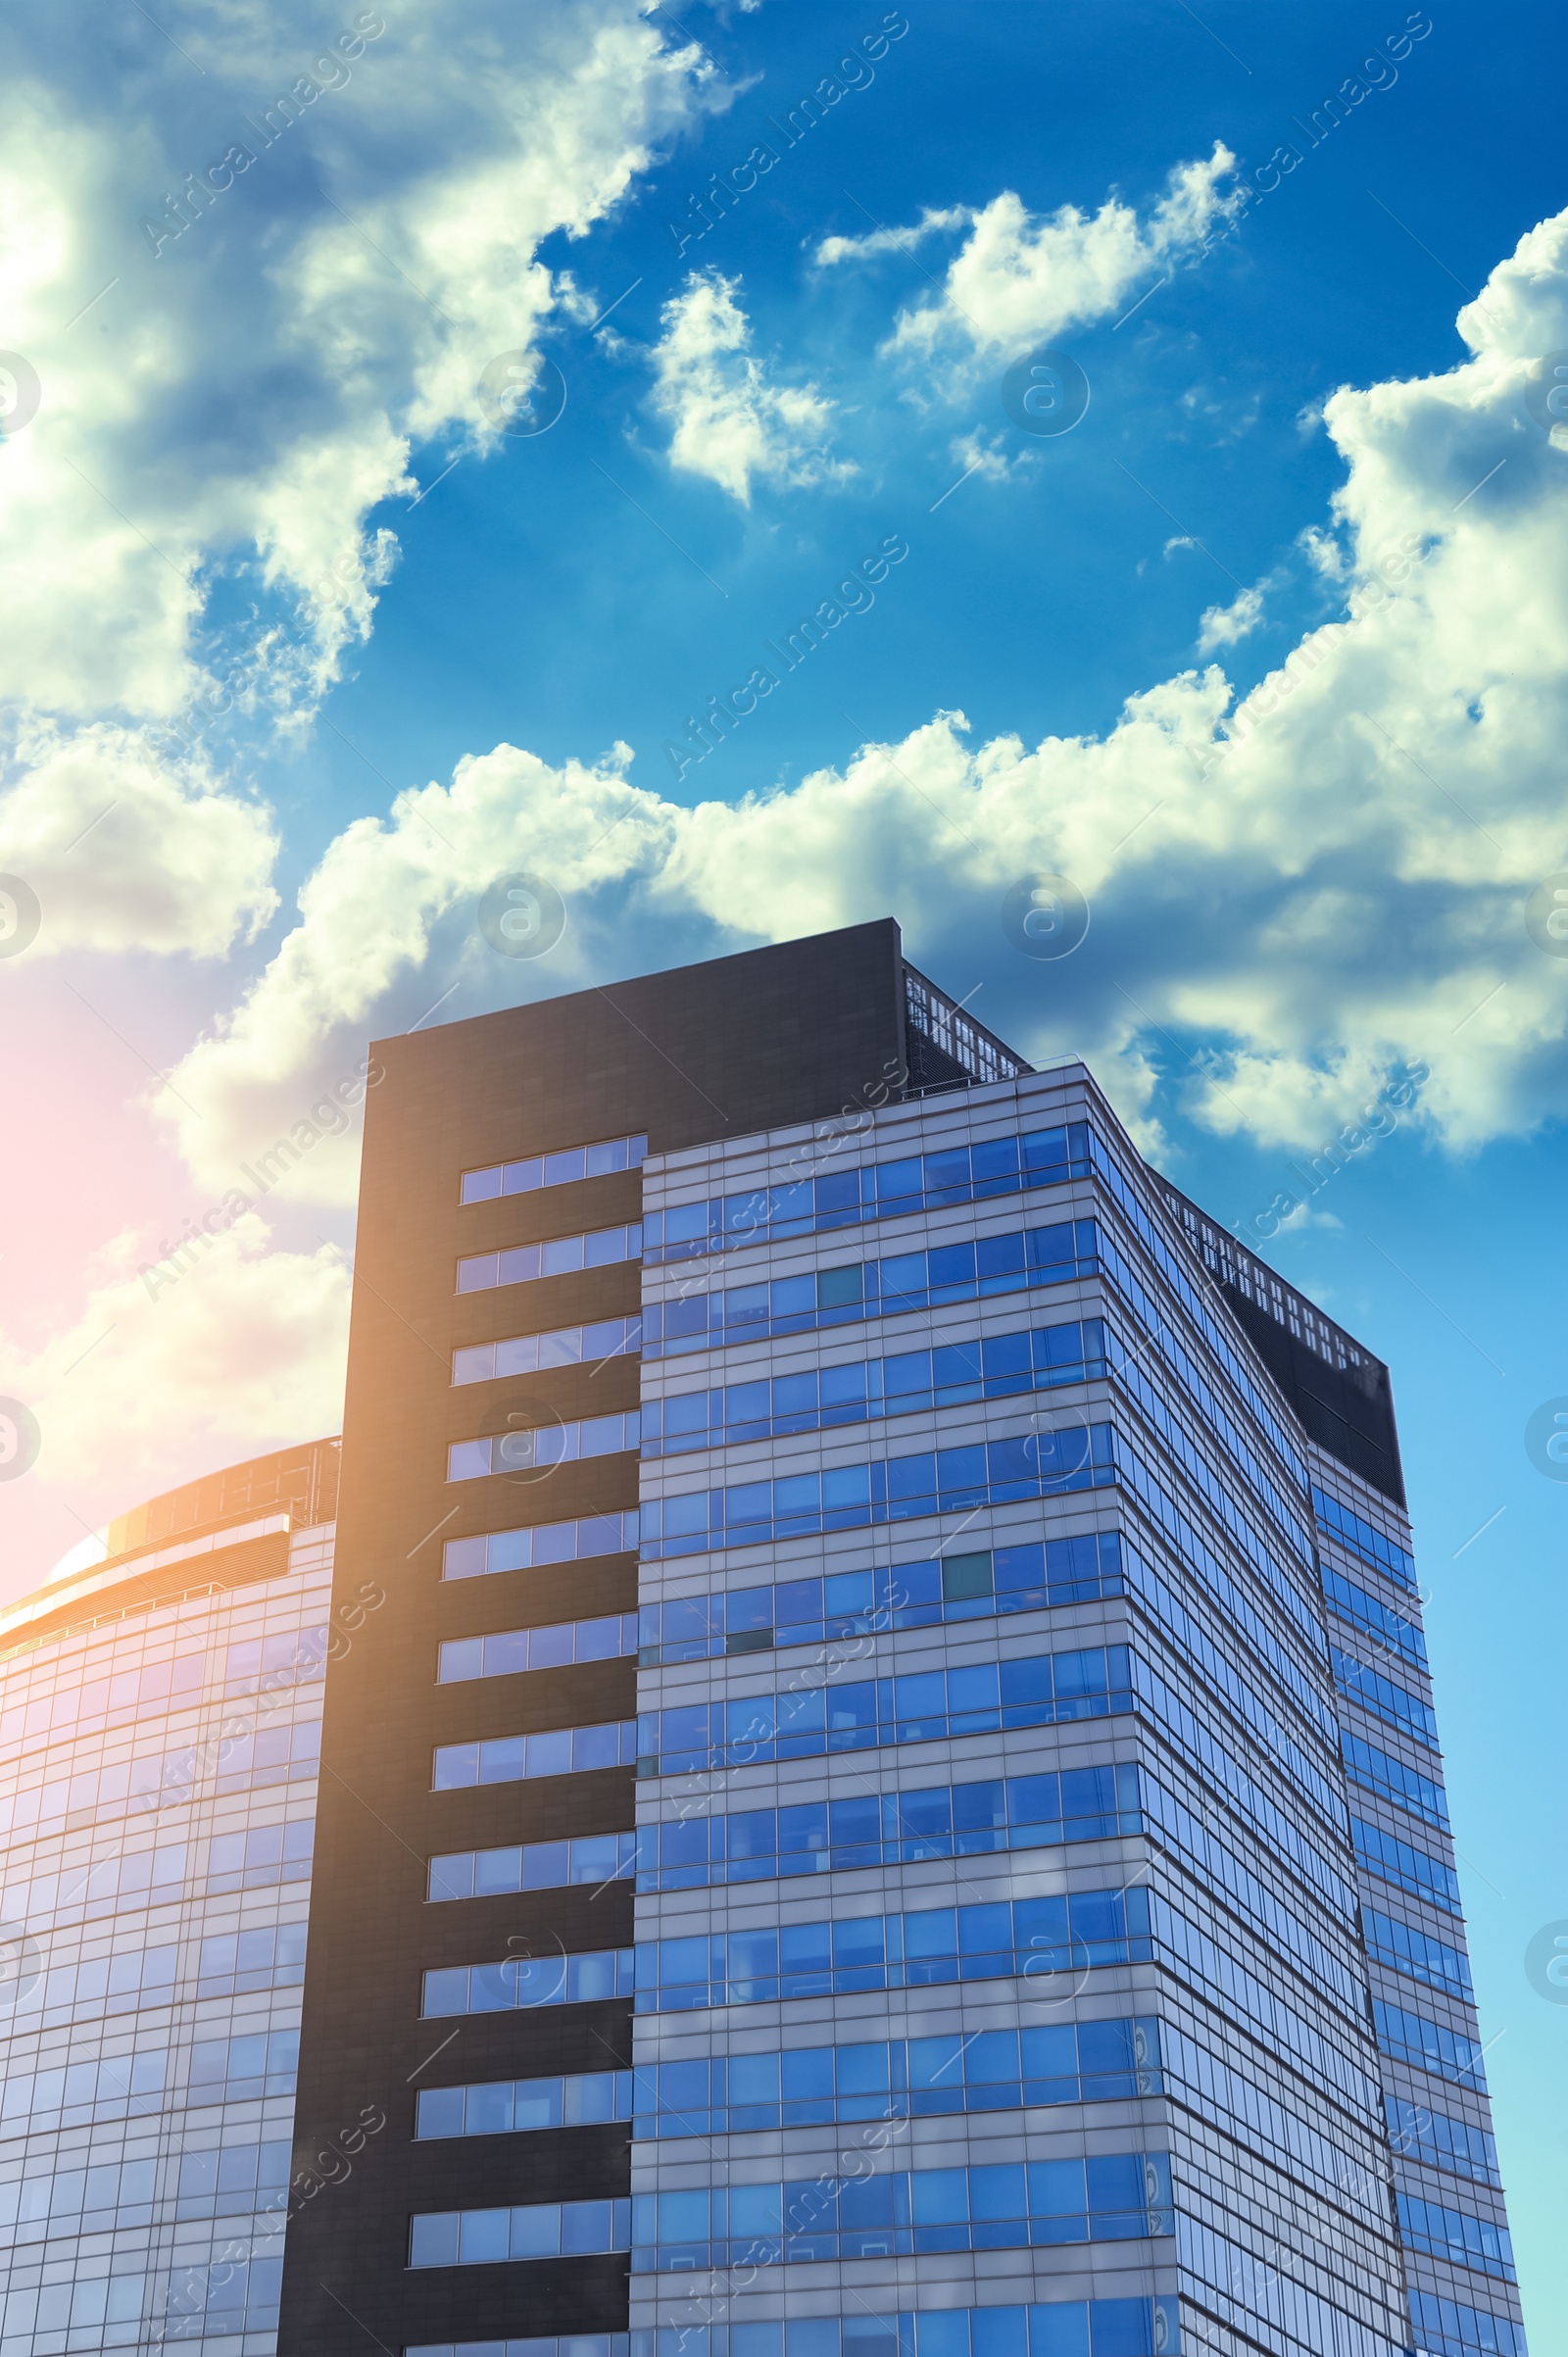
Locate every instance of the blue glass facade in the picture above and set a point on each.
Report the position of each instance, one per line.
(159, 1722)
(1017, 1670)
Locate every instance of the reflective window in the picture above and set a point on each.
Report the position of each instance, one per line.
(536, 1544)
(1033, 1464)
(1457, 2236)
(1137, 2327)
(544, 2229)
(971, 1584)
(519, 1982)
(556, 1169)
(536, 1447)
(560, 1752)
(513, 2106)
(1338, 1523)
(820, 1399)
(562, 1347)
(861, 1714)
(555, 1257)
(921, 2078)
(836, 1297)
(893, 1829)
(1119, 2196)
(509, 1652)
(1442, 2141)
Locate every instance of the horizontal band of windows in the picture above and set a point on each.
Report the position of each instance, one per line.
(1114, 2196)
(1383, 1698)
(803, 1722)
(536, 1353)
(998, 1367)
(541, 2229)
(1035, 1938)
(77, 2094)
(555, 1645)
(899, 1596)
(805, 2087)
(266, 1855)
(901, 1488)
(589, 1859)
(1441, 2141)
(1364, 1612)
(1450, 2328)
(536, 1544)
(836, 1297)
(79, 2201)
(536, 1447)
(572, 2345)
(1337, 1523)
(559, 1169)
(157, 1689)
(1411, 2038)
(894, 1828)
(1418, 1954)
(1409, 1869)
(1457, 2236)
(841, 1199)
(502, 2107)
(1136, 2328)
(1365, 1764)
(919, 2077)
(554, 1257)
(517, 1984)
(510, 1759)
(122, 1983)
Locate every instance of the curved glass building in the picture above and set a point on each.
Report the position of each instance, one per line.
(160, 1731)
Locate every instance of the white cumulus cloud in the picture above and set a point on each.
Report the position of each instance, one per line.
(726, 420)
(1327, 881)
(1021, 279)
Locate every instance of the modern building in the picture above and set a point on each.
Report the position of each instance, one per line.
(879, 1793)
(159, 1722)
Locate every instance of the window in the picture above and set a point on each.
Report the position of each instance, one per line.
(537, 1544)
(901, 1488)
(592, 1858)
(536, 1447)
(555, 1257)
(923, 2078)
(509, 1758)
(519, 1982)
(843, 1198)
(509, 1652)
(836, 1296)
(556, 1169)
(821, 1400)
(513, 2106)
(1113, 2197)
(892, 1828)
(899, 1596)
(544, 2229)
(804, 1721)
(562, 1347)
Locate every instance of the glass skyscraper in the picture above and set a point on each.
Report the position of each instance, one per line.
(879, 1789)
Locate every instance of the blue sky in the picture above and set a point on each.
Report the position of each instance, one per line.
(1266, 654)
